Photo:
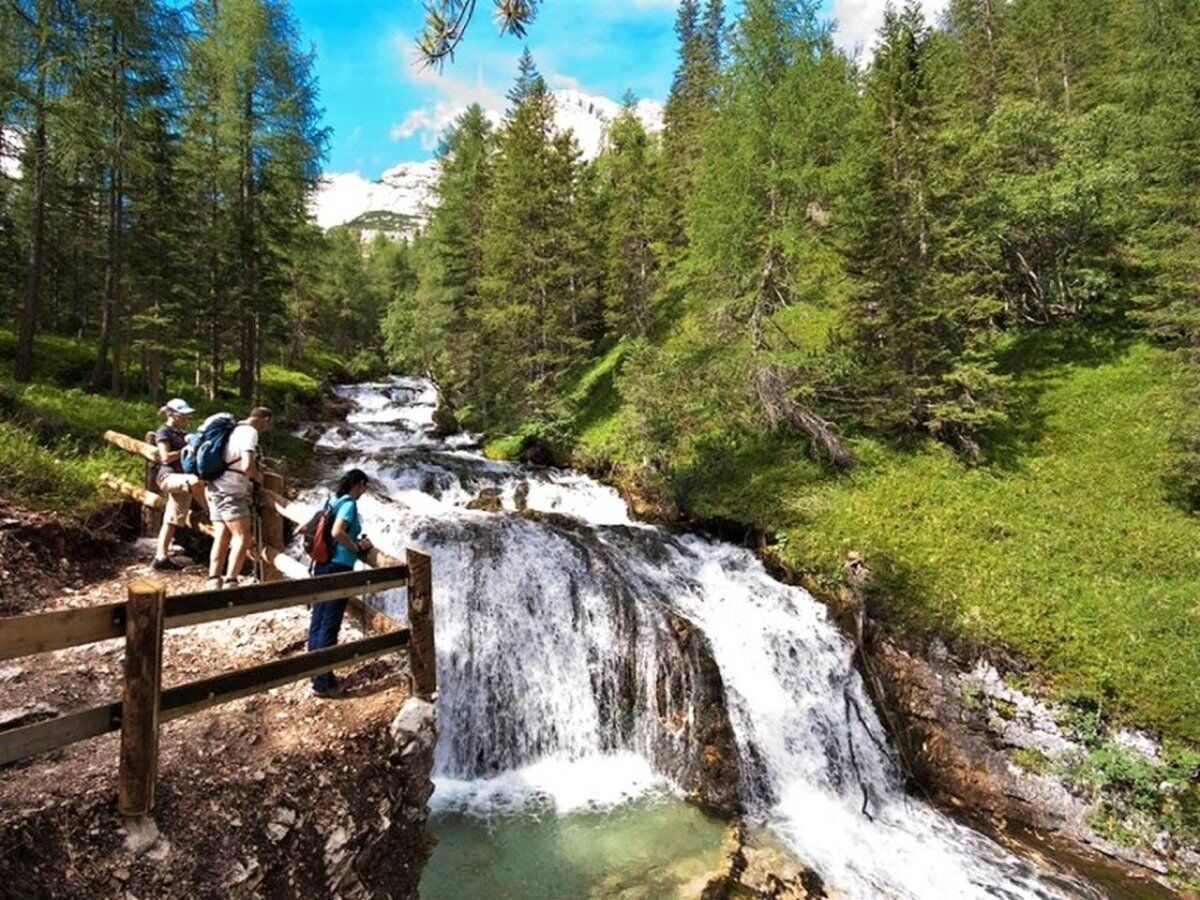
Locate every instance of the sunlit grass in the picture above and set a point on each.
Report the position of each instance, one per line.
(1064, 548)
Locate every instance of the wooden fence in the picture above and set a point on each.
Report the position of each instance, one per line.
(148, 612)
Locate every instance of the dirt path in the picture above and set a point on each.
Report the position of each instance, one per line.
(243, 786)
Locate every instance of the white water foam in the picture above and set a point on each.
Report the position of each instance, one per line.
(559, 784)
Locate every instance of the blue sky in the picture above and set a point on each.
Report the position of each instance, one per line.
(384, 109)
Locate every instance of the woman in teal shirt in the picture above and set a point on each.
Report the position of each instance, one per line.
(349, 546)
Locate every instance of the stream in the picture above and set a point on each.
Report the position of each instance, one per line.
(594, 672)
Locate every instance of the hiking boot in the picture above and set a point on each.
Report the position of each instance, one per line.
(166, 564)
(331, 687)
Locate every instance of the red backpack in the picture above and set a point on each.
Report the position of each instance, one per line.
(318, 534)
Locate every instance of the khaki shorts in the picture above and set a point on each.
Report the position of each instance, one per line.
(223, 507)
(177, 488)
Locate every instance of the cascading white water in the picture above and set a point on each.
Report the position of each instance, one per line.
(562, 670)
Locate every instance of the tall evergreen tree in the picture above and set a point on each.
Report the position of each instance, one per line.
(774, 166)
(38, 29)
(911, 325)
(527, 322)
(628, 183)
(689, 105)
(456, 234)
(1163, 92)
(252, 149)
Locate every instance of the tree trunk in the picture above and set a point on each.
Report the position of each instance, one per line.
(248, 369)
(118, 333)
(108, 301)
(37, 231)
(110, 309)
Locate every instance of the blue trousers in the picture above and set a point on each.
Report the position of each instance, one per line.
(325, 624)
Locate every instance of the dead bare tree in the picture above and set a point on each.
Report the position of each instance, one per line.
(775, 399)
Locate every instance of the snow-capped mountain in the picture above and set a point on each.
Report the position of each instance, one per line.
(400, 201)
(404, 191)
(588, 115)
(11, 142)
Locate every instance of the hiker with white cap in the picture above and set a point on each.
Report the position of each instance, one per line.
(180, 489)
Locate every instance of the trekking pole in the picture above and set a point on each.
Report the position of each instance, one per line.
(257, 527)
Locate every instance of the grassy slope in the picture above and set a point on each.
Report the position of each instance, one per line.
(51, 452)
(1064, 548)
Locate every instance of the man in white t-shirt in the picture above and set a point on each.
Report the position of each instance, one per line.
(229, 497)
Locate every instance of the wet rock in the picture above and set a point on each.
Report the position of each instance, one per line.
(757, 864)
(445, 423)
(521, 496)
(696, 747)
(963, 727)
(534, 451)
(488, 500)
(414, 730)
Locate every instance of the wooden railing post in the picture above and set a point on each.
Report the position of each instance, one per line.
(421, 652)
(151, 516)
(272, 521)
(140, 702)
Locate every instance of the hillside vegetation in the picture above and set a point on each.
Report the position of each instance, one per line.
(1065, 548)
(51, 450)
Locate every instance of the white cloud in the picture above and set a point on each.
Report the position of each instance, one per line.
(859, 20)
(447, 94)
(564, 82)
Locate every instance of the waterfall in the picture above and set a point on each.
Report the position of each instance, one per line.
(586, 657)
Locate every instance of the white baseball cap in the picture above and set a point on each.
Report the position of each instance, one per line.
(179, 405)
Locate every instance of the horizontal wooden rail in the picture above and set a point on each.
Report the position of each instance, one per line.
(211, 606)
(197, 695)
(132, 445)
(189, 698)
(292, 511)
(284, 565)
(43, 632)
(152, 500)
(42, 737)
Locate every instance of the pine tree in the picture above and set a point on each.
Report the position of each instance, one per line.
(201, 169)
(1163, 91)
(689, 106)
(774, 166)
(627, 173)
(527, 323)
(911, 324)
(36, 25)
(417, 324)
(977, 31)
(252, 149)
(456, 235)
(1054, 49)
(10, 150)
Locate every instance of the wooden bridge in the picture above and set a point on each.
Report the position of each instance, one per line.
(147, 613)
